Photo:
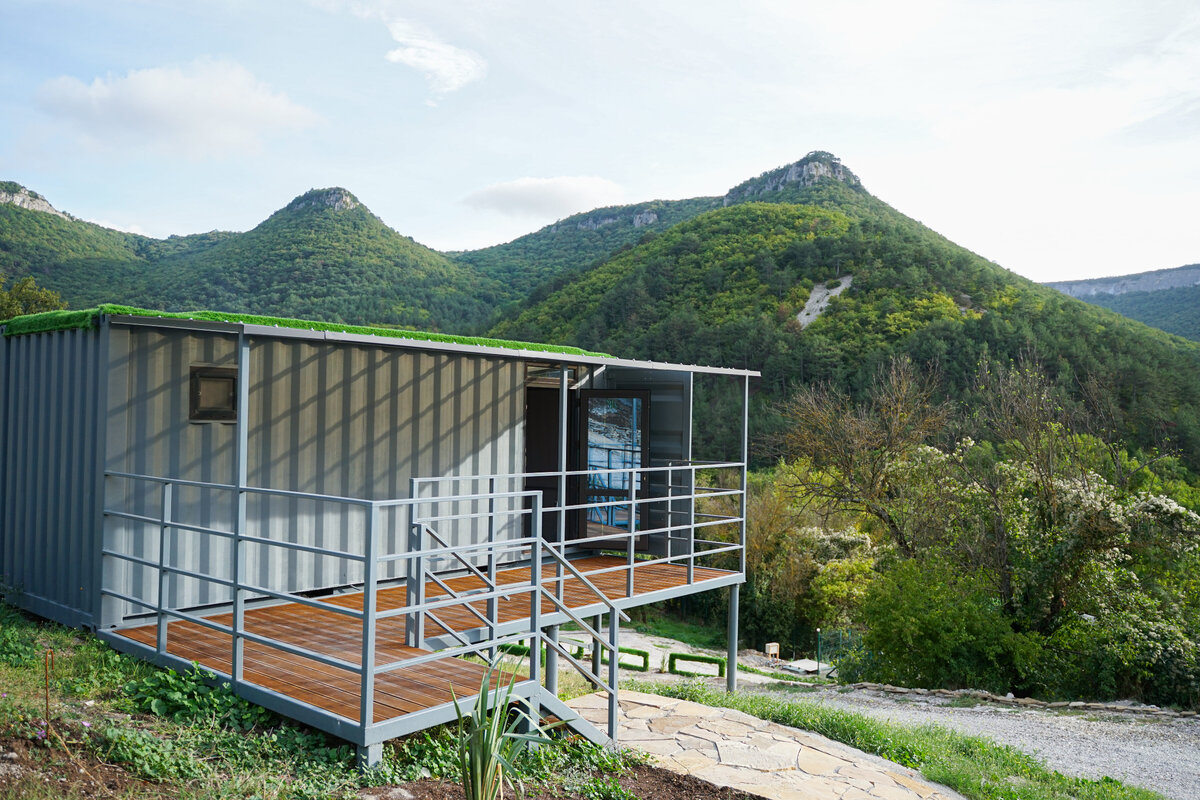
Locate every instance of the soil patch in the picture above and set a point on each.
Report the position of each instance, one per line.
(643, 781)
(26, 764)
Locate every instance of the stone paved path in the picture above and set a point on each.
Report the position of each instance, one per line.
(731, 748)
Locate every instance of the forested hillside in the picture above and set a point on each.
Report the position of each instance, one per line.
(577, 242)
(1175, 310)
(325, 256)
(725, 288)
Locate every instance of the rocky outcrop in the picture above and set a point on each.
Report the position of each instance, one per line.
(335, 199)
(19, 196)
(644, 218)
(808, 171)
(595, 223)
(1139, 282)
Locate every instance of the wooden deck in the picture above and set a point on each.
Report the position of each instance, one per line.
(401, 691)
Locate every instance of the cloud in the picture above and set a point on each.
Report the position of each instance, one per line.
(446, 67)
(206, 108)
(546, 197)
(117, 226)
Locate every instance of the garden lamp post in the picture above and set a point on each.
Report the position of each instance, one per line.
(818, 652)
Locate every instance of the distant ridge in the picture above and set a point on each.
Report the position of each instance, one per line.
(1153, 281)
(1168, 299)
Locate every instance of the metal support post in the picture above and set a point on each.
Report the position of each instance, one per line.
(630, 545)
(535, 597)
(614, 627)
(492, 603)
(164, 525)
(414, 623)
(366, 711)
(239, 530)
(732, 633)
(368, 756)
(597, 621)
(552, 661)
(561, 516)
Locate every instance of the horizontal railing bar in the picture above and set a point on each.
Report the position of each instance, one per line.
(506, 544)
(137, 601)
(304, 601)
(187, 573)
(513, 512)
(160, 479)
(577, 472)
(331, 498)
(479, 496)
(158, 523)
(305, 548)
(504, 590)
(453, 652)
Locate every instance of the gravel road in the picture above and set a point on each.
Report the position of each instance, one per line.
(1155, 753)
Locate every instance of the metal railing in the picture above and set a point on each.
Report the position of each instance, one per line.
(151, 522)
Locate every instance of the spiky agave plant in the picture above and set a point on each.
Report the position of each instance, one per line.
(490, 739)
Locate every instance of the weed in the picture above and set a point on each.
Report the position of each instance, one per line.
(148, 755)
(184, 697)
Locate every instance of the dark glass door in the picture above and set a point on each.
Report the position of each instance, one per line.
(613, 437)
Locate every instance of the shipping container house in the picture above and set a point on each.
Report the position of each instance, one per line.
(330, 517)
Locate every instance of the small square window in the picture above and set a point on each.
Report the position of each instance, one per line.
(213, 394)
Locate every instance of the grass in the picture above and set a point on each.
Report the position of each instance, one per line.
(67, 320)
(196, 741)
(654, 623)
(975, 766)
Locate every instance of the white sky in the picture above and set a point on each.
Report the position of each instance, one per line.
(1060, 138)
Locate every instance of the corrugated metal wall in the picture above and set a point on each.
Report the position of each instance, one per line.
(349, 420)
(50, 437)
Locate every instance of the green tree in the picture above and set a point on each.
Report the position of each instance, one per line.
(26, 297)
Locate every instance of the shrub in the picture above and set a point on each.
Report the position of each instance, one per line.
(933, 627)
(674, 658)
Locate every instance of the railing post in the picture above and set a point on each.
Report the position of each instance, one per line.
(239, 529)
(535, 598)
(691, 535)
(367, 664)
(168, 494)
(745, 460)
(629, 547)
(415, 585)
(493, 608)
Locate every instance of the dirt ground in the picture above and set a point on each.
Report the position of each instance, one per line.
(651, 783)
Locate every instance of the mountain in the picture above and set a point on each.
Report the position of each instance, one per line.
(572, 244)
(323, 256)
(727, 287)
(1168, 299)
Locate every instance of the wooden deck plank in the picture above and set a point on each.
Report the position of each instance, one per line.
(404, 690)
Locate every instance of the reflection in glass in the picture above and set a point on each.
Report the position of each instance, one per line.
(614, 442)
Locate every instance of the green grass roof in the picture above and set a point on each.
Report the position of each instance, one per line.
(87, 318)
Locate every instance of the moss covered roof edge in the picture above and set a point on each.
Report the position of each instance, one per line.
(89, 318)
